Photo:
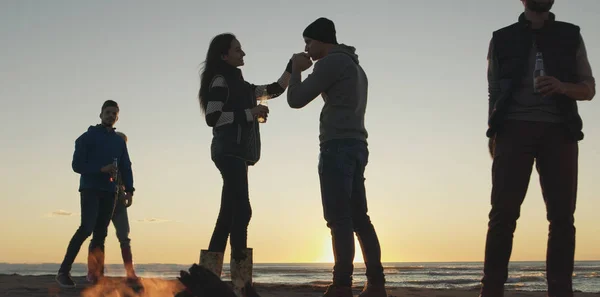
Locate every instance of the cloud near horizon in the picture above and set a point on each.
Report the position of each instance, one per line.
(60, 213)
(154, 220)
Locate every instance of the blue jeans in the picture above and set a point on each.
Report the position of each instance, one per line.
(96, 211)
(342, 165)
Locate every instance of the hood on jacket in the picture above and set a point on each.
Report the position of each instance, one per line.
(345, 49)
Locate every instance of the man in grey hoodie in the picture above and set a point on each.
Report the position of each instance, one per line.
(341, 81)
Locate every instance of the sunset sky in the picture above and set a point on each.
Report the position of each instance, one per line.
(428, 180)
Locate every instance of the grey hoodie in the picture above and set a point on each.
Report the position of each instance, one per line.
(343, 84)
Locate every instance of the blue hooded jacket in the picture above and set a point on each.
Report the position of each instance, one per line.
(95, 149)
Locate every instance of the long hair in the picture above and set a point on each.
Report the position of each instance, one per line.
(218, 47)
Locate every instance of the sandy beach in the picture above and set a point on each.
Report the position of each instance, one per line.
(38, 286)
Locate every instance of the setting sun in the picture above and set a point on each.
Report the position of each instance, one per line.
(327, 254)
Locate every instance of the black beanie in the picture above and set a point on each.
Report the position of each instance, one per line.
(322, 30)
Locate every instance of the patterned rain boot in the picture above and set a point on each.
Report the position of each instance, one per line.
(241, 271)
(213, 261)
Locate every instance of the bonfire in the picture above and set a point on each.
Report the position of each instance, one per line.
(198, 281)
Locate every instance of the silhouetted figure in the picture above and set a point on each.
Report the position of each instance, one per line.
(120, 220)
(94, 159)
(343, 84)
(537, 72)
(230, 106)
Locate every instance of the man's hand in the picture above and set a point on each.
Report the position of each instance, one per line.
(128, 198)
(549, 85)
(110, 169)
(301, 62)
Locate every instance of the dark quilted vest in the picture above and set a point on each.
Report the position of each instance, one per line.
(558, 42)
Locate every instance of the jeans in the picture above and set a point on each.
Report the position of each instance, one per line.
(341, 167)
(96, 211)
(235, 212)
(518, 145)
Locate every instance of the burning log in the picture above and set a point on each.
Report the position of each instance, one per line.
(201, 282)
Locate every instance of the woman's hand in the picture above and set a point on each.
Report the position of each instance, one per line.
(260, 110)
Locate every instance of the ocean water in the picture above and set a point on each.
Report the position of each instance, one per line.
(526, 276)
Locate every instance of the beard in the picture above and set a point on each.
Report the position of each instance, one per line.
(108, 122)
(539, 7)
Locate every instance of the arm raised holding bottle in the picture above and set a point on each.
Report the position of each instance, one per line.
(273, 90)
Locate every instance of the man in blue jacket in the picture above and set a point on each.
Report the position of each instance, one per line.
(95, 152)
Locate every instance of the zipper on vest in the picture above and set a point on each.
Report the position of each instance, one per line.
(256, 140)
(239, 134)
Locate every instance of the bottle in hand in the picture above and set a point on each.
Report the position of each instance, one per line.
(113, 178)
(263, 102)
(538, 71)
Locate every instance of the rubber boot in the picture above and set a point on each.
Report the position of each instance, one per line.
(241, 270)
(212, 261)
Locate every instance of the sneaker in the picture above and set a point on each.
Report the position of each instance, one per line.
(338, 291)
(65, 280)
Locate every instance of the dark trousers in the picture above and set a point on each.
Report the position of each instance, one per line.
(235, 212)
(120, 220)
(556, 157)
(96, 211)
(341, 172)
